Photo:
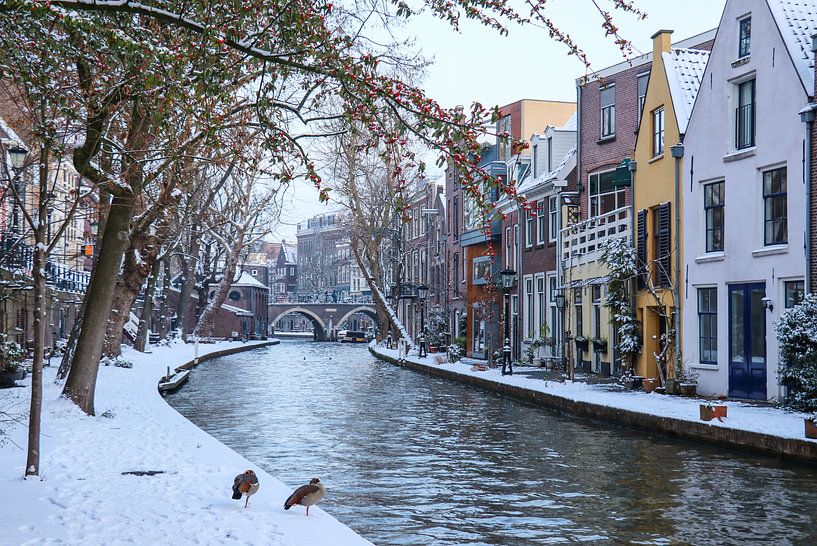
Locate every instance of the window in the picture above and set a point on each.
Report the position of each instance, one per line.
(529, 216)
(254, 272)
(552, 305)
(643, 80)
(714, 200)
(577, 301)
(604, 196)
(745, 37)
(456, 275)
(608, 111)
(541, 219)
(529, 333)
(534, 156)
(508, 247)
(456, 218)
(554, 219)
(515, 244)
(774, 206)
(596, 311)
(658, 132)
(794, 292)
(550, 154)
(662, 245)
(540, 304)
(708, 325)
(745, 115)
(482, 270)
(504, 132)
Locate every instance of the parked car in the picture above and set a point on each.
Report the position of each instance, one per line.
(353, 337)
(341, 335)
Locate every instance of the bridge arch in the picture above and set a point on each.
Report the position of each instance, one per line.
(317, 322)
(365, 309)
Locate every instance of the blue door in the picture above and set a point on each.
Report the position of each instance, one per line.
(747, 341)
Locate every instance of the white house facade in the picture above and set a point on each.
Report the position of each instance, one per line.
(744, 196)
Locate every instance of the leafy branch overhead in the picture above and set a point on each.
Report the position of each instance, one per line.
(309, 59)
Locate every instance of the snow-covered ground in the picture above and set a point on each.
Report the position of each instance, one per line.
(84, 498)
(741, 416)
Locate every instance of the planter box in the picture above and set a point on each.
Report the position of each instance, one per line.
(713, 412)
(649, 384)
(688, 389)
(432, 348)
(7, 379)
(600, 347)
(582, 345)
(811, 429)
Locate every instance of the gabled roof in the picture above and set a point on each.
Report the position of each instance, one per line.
(248, 280)
(531, 184)
(684, 69)
(797, 22)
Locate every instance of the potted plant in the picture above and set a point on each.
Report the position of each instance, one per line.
(599, 344)
(688, 382)
(631, 381)
(713, 410)
(649, 383)
(582, 343)
(433, 341)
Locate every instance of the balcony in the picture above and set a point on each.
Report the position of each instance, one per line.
(19, 260)
(580, 242)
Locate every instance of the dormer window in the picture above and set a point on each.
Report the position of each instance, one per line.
(745, 37)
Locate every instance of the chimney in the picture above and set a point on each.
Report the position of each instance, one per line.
(661, 43)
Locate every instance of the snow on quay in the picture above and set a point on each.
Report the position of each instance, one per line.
(84, 497)
(744, 417)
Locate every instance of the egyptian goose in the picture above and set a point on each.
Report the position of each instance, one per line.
(245, 484)
(306, 495)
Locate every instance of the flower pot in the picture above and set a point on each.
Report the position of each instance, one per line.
(582, 345)
(811, 428)
(537, 362)
(688, 389)
(432, 348)
(649, 384)
(672, 386)
(712, 412)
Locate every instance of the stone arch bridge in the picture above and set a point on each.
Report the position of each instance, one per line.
(326, 318)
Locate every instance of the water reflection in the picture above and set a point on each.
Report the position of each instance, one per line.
(413, 460)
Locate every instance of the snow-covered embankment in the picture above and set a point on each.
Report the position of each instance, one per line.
(84, 497)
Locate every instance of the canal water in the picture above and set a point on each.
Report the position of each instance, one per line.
(411, 459)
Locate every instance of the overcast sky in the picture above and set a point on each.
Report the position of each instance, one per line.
(480, 65)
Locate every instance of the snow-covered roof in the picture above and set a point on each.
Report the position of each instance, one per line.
(685, 70)
(248, 280)
(797, 22)
(529, 183)
(237, 310)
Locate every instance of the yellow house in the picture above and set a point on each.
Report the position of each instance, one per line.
(674, 81)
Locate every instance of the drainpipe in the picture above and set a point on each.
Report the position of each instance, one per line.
(677, 153)
(807, 117)
(561, 196)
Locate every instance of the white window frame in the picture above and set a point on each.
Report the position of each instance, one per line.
(515, 245)
(553, 215)
(527, 307)
(540, 302)
(508, 247)
(602, 108)
(551, 284)
(529, 220)
(540, 221)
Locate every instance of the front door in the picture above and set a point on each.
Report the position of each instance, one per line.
(747, 341)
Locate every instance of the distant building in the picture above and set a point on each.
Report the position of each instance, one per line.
(318, 255)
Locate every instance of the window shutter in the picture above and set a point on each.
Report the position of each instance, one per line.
(664, 245)
(641, 247)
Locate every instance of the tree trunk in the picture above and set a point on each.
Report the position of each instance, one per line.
(204, 327)
(81, 381)
(147, 309)
(35, 411)
(189, 281)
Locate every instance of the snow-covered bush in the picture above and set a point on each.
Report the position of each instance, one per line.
(797, 335)
(619, 256)
(455, 352)
(118, 361)
(11, 354)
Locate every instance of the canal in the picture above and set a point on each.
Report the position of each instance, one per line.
(411, 459)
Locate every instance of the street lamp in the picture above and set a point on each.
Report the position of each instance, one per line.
(507, 276)
(559, 298)
(422, 294)
(18, 156)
